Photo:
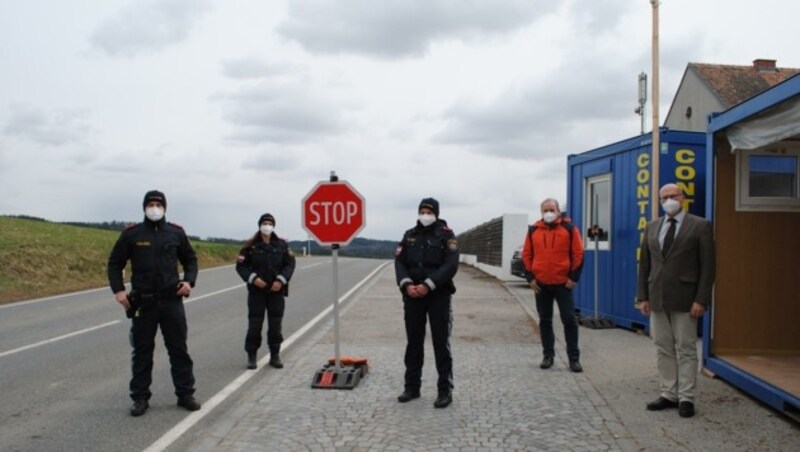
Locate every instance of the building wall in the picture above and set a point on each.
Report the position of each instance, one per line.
(694, 93)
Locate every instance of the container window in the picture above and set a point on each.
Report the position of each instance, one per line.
(597, 211)
(767, 179)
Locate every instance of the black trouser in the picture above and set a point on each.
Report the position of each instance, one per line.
(259, 302)
(566, 308)
(171, 317)
(436, 307)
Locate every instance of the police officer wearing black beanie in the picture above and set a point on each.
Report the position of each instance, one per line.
(266, 264)
(425, 263)
(155, 247)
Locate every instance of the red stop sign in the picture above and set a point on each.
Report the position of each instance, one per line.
(333, 213)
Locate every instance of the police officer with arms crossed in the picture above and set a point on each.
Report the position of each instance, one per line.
(155, 247)
(266, 264)
(425, 263)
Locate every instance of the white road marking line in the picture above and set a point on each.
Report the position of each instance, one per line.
(182, 427)
(55, 339)
(210, 294)
(86, 330)
(82, 292)
(97, 327)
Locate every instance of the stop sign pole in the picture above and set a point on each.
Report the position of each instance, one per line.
(333, 213)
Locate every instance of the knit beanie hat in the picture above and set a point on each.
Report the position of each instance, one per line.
(430, 203)
(154, 195)
(266, 217)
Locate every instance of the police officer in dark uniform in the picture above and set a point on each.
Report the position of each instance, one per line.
(425, 263)
(155, 247)
(266, 264)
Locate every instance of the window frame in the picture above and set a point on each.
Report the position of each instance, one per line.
(747, 203)
(588, 183)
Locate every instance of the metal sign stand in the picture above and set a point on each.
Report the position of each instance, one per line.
(335, 375)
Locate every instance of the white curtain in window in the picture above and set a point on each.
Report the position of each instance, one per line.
(776, 124)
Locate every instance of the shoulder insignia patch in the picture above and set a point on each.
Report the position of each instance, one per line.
(289, 252)
(240, 259)
(398, 250)
(452, 244)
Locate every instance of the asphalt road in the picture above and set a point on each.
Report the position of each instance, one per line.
(65, 360)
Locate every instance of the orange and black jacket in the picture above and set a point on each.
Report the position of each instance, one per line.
(553, 252)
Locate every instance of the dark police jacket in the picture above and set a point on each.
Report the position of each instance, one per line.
(154, 249)
(427, 255)
(268, 261)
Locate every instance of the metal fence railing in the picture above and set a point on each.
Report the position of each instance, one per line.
(484, 241)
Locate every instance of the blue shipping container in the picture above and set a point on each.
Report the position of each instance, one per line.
(610, 186)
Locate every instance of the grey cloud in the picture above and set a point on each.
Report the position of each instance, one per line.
(270, 161)
(398, 29)
(146, 26)
(599, 16)
(522, 122)
(280, 114)
(252, 68)
(52, 128)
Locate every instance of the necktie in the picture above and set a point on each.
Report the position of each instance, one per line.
(670, 237)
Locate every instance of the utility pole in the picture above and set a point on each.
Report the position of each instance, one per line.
(656, 167)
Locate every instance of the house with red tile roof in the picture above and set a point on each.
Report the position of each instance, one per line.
(711, 88)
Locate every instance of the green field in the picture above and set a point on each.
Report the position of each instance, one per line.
(40, 258)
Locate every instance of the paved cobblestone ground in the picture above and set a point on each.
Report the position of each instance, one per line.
(502, 400)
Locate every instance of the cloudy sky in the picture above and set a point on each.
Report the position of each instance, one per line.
(238, 107)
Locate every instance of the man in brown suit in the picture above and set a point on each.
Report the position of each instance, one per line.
(676, 274)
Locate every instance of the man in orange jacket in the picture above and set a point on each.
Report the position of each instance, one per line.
(553, 259)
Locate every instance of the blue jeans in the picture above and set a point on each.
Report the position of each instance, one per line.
(566, 308)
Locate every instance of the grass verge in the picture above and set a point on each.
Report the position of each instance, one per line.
(40, 258)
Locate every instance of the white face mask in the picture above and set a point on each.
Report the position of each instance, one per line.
(154, 213)
(267, 229)
(549, 217)
(671, 206)
(427, 219)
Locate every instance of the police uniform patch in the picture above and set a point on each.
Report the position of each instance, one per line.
(240, 258)
(143, 243)
(452, 244)
(398, 250)
(289, 252)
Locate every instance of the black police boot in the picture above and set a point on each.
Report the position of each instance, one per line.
(189, 403)
(444, 399)
(251, 361)
(275, 358)
(547, 362)
(139, 407)
(408, 395)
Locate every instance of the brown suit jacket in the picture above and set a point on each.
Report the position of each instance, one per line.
(686, 274)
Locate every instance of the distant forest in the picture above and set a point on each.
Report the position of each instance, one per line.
(359, 247)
